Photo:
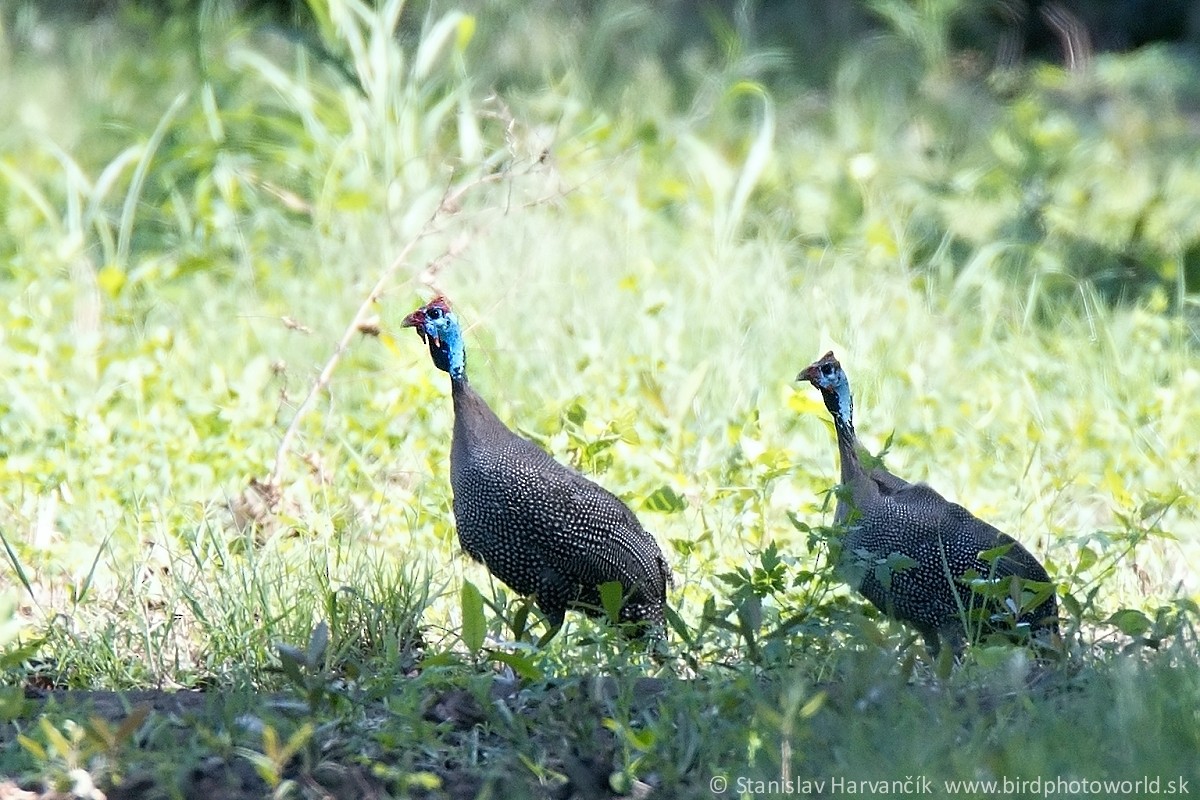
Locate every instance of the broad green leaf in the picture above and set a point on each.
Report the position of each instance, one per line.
(1087, 558)
(1130, 622)
(474, 624)
(314, 656)
(612, 597)
(665, 500)
(521, 664)
(12, 703)
(290, 660)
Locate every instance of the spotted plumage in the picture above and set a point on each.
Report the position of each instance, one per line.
(540, 527)
(910, 551)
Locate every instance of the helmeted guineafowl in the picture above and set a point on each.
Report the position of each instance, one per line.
(540, 527)
(910, 551)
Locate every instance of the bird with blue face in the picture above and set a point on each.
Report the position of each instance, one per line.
(915, 555)
(542, 528)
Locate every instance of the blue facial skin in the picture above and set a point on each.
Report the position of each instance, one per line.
(836, 380)
(830, 378)
(441, 329)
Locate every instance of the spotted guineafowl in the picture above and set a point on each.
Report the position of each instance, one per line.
(540, 527)
(910, 551)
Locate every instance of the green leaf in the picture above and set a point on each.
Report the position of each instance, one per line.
(995, 553)
(474, 625)
(520, 619)
(643, 739)
(885, 568)
(1087, 557)
(1153, 508)
(465, 32)
(612, 597)
(676, 623)
(813, 705)
(12, 702)
(576, 414)
(290, 659)
(521, 664)
(10, 602)
(1072, 606)
(665, 500)
(446, 659)
(945, 663)
(19, 655)
(32, 747)
(314, 656)
(1014, 593)
(1130, 621)
(57, 741)
(769, 558)
(798, 523)
(749, 613)
(296, 741)
(110, 278)
(883, 576)
(262, 764)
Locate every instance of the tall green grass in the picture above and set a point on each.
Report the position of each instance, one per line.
(653, 271)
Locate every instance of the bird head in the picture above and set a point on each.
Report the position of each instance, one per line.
(827, 375)
(438, 327)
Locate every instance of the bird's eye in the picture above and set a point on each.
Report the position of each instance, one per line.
(827, 370)
(434, 313)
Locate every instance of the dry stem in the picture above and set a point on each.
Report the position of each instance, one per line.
(450, 204)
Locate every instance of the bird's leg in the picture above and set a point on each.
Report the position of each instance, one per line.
(555, 617)
(549, 634)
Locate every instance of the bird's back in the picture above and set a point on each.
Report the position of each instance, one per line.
(943, 541)
(876, 482)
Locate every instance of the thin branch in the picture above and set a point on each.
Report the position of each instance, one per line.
(450, 205)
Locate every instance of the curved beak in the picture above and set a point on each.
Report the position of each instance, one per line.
(808, 374)
(416, 320)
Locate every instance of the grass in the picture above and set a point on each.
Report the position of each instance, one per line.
(646, 255)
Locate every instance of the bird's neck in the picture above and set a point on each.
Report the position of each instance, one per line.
(457, 362)
(449, 353)
(474, 419)
(847, 450)
(841, 407)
